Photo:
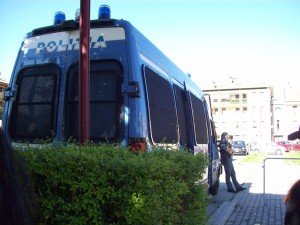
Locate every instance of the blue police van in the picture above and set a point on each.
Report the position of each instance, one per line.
(138, 97)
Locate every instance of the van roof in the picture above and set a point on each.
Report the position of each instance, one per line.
(144, 45)
(73, 25)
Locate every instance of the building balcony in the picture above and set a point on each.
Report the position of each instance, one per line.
(234, 101)
(238, 101)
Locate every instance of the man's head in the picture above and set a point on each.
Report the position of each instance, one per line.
(224, 136)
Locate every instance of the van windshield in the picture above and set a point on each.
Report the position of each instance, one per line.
(238, 144)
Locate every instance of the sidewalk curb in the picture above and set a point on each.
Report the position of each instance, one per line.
(223, 213)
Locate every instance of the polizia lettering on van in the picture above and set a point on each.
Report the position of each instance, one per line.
(73, 44)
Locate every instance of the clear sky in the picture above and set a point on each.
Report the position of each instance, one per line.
(211, 39)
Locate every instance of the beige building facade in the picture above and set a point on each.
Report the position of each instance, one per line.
(286, 111)
(244, 112)
(3, 85)
(253, 112)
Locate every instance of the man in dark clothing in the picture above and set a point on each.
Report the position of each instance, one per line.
(226, 160)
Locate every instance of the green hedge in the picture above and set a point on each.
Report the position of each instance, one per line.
(110, 185)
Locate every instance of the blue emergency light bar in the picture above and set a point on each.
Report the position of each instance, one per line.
(104, 12)
(59, 17)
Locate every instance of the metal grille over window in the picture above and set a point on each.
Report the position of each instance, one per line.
(163, 117)
(181, 103)
(34, 107)
(105, 101)
(199, 120)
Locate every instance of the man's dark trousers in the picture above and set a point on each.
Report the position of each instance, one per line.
(230, 173)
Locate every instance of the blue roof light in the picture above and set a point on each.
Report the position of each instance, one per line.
(104, 12)
(59, 17)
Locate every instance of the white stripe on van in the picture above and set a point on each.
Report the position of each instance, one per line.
(69, 40)
(154, 66)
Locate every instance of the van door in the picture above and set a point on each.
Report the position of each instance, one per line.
(33, 111)
(200, 124)
(182, 114)
(200, 131)
(105, 101)
(204, 141)
(108, 71)
(214, 158)
(32, 106)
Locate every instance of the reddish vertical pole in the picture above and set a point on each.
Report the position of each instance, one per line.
(84, 72)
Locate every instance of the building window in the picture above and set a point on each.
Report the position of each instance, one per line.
(224, 100)
(237, 109)
(245, 109)
(216, 109)
(237, 96)
(244, 96)
(223, 110)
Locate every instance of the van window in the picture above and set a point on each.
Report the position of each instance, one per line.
(163, 119)
(105, 101)
(33, 110)
(181, 103)
(200, 123)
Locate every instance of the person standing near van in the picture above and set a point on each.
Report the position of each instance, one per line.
(226, 160)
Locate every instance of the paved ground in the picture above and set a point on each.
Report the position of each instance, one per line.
(223, 196)
(252, 206)
(216, 201)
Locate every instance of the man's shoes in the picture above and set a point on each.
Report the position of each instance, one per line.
(241, 189)
(232, 191)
